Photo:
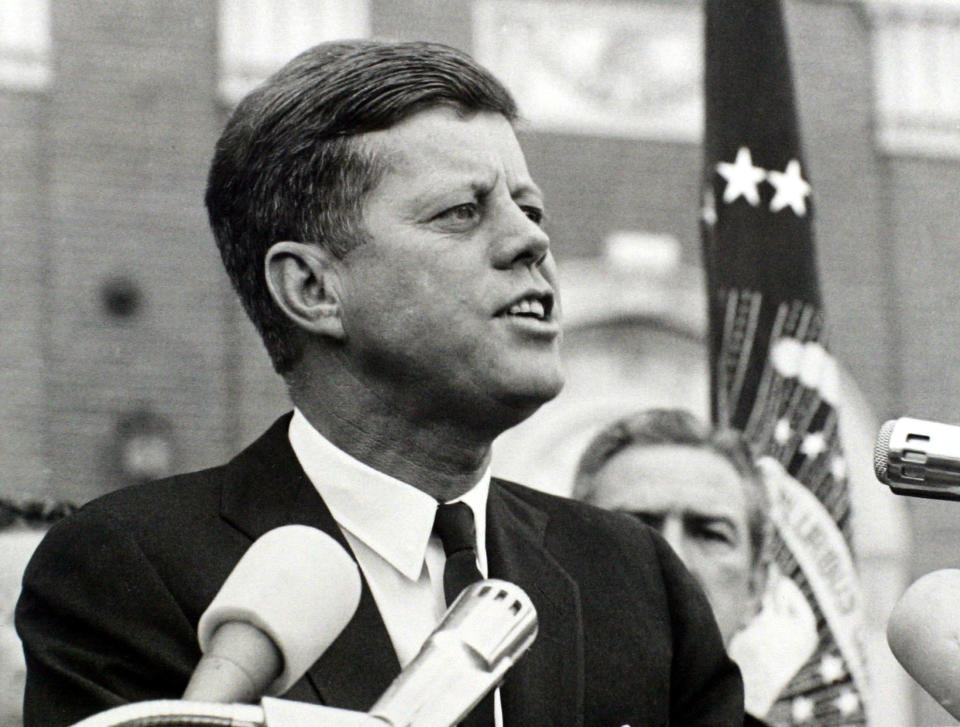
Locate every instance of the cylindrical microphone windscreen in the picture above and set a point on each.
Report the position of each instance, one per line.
(924, 635)
(488, 627)
(298, 586)
(881, 451)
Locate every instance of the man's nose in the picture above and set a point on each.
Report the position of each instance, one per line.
(520, 241)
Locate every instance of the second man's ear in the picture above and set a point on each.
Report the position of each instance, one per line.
(303, 281)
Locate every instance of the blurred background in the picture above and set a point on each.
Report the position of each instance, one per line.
(124, 354)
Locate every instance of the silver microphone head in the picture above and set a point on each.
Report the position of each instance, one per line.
(919, 458)
(488, 627)
(496, 620)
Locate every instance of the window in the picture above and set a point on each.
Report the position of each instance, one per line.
(623, 69)
(24, 44)
(259, 36)
(916, 50)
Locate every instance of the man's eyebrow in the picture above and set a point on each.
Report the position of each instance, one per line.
(474, 183)
(526, 188)
(653, 514)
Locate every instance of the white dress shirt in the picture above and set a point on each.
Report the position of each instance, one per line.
(388, 525)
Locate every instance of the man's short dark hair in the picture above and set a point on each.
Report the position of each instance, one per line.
(678, 427)
(288, 165)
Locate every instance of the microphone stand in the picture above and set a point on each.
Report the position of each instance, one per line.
(178, 713)
(271, 712)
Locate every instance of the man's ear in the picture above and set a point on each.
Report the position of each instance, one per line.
(303, 281)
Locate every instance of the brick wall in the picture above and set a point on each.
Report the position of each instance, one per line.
(24, 307)
(103, 175)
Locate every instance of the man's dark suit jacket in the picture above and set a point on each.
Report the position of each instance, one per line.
(112, 597)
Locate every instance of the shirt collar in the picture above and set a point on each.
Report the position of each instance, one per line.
(391, 517)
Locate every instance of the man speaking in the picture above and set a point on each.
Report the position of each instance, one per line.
(374, 211)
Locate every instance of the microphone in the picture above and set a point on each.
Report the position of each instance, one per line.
(488, 627)
(924, 635)
(287, 599)
(919, 458)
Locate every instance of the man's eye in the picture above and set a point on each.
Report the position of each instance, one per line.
(534, 213)
(460, 213)
(714, 535)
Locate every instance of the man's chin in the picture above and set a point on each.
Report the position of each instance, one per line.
(523, 401)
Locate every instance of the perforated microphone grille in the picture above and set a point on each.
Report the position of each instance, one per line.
(881, 451)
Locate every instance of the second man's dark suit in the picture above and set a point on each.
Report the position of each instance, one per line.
(112, 597)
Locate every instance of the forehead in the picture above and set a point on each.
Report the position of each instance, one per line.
(663, 478)
(436, 146)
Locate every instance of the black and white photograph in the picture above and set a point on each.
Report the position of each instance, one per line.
(493, 363)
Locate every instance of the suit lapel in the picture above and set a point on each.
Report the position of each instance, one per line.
(544, 688)
(266, 488)
(269, 489)
(361, 662)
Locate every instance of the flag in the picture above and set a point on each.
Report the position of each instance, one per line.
(772, 376)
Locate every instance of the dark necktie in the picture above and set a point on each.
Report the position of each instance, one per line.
(454, 526)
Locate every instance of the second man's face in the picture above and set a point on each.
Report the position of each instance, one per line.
(453, 299)
(695, 498)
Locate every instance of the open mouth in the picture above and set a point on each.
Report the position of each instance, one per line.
(535, 306)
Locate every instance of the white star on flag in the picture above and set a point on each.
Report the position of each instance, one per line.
(831, 668)
(782, 432)
(791, 189)
(801, 709)
(848, 702)
(813, 444)
(742, 178)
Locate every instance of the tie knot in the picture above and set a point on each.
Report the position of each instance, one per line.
(455, 528)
